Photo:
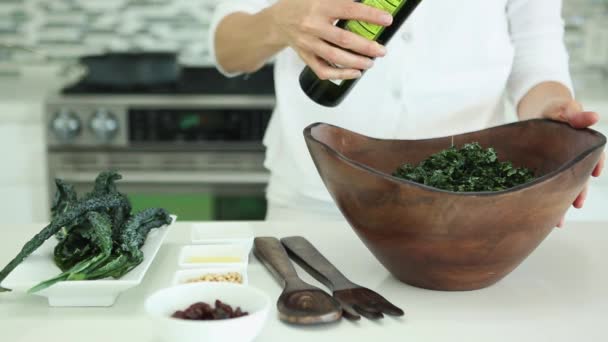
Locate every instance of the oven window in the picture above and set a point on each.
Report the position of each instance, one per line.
(235, 208)
(204, 207)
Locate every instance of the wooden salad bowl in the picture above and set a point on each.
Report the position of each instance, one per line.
(444, 240)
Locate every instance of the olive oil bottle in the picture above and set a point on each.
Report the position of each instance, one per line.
(331, 92)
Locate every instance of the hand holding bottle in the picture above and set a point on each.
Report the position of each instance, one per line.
(308, 27)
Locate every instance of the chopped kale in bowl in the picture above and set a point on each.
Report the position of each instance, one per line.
(470, 168)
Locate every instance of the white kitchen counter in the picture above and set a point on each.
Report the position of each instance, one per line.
(557, 294)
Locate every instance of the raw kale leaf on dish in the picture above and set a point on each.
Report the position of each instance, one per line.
(98, 236)
(468, 169)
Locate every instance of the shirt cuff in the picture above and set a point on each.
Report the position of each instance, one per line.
(222, 10)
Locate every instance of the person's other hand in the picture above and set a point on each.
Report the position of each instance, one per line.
(572, 112)
(308, 27)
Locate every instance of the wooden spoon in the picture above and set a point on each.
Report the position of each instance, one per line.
(300, 302)
(354, 299)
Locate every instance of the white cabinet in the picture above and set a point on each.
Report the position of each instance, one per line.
(23, 163)
(21, 203)
(22, 153)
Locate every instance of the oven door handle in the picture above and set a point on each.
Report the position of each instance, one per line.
(168, 177)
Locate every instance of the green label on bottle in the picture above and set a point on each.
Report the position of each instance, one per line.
(371, 31)
(367, 30)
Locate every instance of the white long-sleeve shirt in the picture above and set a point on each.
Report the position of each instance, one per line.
(448, 70)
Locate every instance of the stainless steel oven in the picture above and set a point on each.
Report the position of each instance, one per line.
(200, 155)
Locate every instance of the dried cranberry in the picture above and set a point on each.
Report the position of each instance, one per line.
(204, 311)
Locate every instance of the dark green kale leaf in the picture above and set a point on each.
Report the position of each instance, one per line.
(105, 184)
(103, 204)
(134, 234)
(65, 198)
(73, 249)
(468, 169)
(126, 254)
(100, 237)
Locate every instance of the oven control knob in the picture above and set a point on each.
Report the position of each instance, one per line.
(104, 125)
(66, 126)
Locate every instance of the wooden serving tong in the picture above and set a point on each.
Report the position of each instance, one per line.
(300, 302)
(354, 299)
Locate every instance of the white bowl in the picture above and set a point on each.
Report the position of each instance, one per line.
(182, 276)
(239, 251)
(230, 232)
(162, 304)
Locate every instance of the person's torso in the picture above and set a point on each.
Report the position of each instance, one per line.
(445, 73)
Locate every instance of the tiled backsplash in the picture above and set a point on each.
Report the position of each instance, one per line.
(65, 29)
(587, 31)
(587, 42)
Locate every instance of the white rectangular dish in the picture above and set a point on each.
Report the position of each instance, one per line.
(40, 266)
(233, 254)
(182, 276)
(233, 232)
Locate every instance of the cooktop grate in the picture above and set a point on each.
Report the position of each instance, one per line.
(192, 81)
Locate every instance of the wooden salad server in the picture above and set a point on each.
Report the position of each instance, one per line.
(354, 299)
(300, 302)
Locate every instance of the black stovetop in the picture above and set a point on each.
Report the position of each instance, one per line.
(193, 81)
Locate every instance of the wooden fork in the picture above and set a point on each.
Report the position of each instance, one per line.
(354, 299)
